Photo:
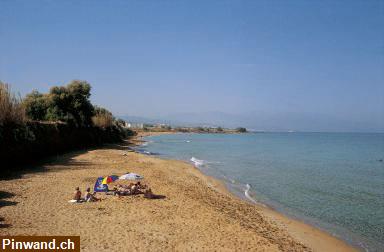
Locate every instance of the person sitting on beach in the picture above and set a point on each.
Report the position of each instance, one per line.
(90, 197)
(77, 195)
(134, 189)
(116, 190)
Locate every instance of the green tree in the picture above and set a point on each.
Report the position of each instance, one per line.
(71, 103)
(36, 106)
(241, 130)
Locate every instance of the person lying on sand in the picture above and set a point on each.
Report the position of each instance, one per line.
(89, 197)
(122, 191)
(137, 188)
(77, 195)
(140, 186)
(149, 195)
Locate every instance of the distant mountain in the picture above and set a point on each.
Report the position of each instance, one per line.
(139, 119)
(213, 119)
(210, 119)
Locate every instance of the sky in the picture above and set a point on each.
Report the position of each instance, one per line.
(272, 65)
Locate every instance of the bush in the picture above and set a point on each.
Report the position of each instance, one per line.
(241, 130)
(33, 140)
(102, 118)
(11, 109)
(71, 103)
(36, 106)
(61, 120)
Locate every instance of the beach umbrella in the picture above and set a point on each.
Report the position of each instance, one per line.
(131, 176)
(109, 179)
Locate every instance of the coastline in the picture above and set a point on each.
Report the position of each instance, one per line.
(311, 236)
(198, 212)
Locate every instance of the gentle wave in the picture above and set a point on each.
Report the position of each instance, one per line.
(197, 162)
(246, 193)
(259, 159)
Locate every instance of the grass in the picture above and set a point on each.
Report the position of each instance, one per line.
(11, 108)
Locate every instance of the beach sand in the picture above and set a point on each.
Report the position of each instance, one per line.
(197, 213)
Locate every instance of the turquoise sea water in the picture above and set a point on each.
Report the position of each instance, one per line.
(332, 180)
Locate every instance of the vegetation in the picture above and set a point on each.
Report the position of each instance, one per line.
(36, 106)
(103, 118)
(241, 130)
(166, 128)
(44, 124)
(11, 109)
(201, 129)
(68, 104)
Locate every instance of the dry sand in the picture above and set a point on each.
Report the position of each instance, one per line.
(196, 214)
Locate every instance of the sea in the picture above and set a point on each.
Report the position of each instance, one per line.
(334, 181)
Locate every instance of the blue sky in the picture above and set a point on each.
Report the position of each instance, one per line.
(285, 60)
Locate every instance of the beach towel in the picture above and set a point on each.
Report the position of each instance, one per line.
(99, 186)
(75, 201)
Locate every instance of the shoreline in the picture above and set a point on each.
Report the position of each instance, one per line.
(310, 235)
(197, 213)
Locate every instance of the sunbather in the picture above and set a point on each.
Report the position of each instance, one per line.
(149, 195)
(77, 195)
(134, 189)
(122, 191)
(140, 186)
(89, 197)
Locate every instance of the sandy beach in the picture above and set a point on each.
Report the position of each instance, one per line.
(197, 213)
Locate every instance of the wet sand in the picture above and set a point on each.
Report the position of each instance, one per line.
(197, 213)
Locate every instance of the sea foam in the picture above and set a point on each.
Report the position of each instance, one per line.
(246, 193)
(197, 162)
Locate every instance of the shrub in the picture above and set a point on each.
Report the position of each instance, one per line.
(71, 103)
(11, 108)
(36, 106)
(102, 118)
(241, 130)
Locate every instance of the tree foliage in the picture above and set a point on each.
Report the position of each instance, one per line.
(241, 130)
(69, 104)
(36, 105)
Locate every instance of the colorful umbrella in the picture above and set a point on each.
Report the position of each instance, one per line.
(109, 179)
